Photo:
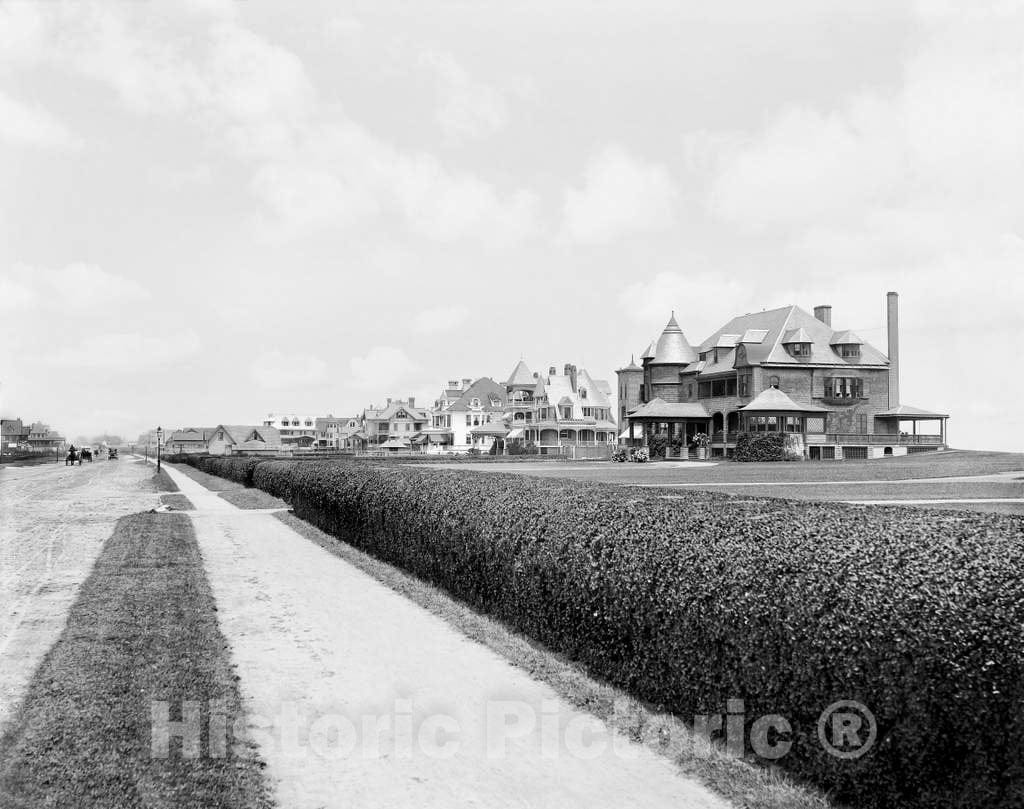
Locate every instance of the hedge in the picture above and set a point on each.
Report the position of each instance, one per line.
(686, 603)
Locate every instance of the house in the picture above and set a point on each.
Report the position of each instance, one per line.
(235, 439)
(188, 440)
(397, 419)
(13, 435)
(475, 418)
(555, 411)
(295, 430)
(340, 433)
(782, 370)
(42, 439)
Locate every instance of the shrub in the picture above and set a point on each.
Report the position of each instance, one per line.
(788, 605)
(640, 455)
(620, 454)
(760, 447)
(656, 445)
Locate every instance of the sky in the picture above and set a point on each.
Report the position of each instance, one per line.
(214, 210)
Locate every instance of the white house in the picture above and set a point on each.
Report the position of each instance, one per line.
(234, 439)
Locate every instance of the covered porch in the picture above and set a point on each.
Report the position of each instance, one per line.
(897, 419)
(678, 422)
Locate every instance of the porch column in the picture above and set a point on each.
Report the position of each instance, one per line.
(631, 439)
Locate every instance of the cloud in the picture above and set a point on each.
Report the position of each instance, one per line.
(467, 109)
(25, 125)
(651, 300)
(124, 352)
(381, 368)
(440, 319)
(621, 196)
(14, 295)
(78, 287)
(276, 370)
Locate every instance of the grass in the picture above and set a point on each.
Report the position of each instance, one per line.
(161, 482)
(252, 499)
(177, 502)
(143, 628)
(745, 784)
(211, 482)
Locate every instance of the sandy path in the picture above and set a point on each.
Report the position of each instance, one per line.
(358, 697)
(53, 522)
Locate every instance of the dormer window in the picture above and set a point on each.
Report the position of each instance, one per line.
(849, 351)
(583, 393)
(799, 349)
(474, 402)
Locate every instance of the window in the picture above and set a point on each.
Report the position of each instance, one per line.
(800, 349)
(844, 387)
(849, 351)
(743, 384)
(773, 381)
(567, 412)
(469, 421)
(793, 424)
(474, 402)
(583, 393)
(309, 423)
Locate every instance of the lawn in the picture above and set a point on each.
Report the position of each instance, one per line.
(143, 629)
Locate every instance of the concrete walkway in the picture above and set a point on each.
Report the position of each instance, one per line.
(358, 697)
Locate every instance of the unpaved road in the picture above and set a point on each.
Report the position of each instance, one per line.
(53, 522)
(359, 697)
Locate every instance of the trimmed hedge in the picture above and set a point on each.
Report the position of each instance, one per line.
(687, 603)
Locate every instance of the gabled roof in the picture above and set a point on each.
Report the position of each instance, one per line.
(483, 389)
(774, 400)
(908, 412)
(659, 408)
(521, 375)
(388, 411)
(598, 390)
(240, 433)
(191, 434)
(672, 348)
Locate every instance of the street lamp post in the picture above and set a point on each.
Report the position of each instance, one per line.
(159, 441)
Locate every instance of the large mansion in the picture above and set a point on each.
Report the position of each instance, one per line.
(781, 370)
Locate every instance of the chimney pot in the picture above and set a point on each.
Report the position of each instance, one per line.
(824, 314)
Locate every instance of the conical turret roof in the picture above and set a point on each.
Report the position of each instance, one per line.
(521, 375)
(648, 352)
(672, 348)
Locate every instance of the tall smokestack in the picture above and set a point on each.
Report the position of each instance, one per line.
(893, 331)
(824, 314)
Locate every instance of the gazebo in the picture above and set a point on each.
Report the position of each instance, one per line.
(674, 419)
(914, 415)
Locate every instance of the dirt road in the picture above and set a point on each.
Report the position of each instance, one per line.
(53, 521)
(359, 697)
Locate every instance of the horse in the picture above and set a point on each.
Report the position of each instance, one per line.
(71, 457)
(86, 455)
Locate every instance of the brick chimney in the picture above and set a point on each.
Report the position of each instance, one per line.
(412, 401)
(892, 330)
(824, 314)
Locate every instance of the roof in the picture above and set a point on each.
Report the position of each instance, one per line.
(396, 443)
(388, 411)
(846, 338)
(521, 375)
(485, 389)
(648, 352)
(774, 400)
(631, 367)
(672, 348)
(490, 429)
(781, 324)
(796, 336)
(659, 408)
(191, 434)
(241, 433)
(908, 412)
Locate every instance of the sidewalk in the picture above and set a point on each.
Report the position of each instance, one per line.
(358, 697)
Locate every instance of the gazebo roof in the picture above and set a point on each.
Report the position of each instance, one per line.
(907, 412)
(774, 400)
(659, 408)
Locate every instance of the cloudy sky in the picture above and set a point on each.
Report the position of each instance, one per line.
(209, 211)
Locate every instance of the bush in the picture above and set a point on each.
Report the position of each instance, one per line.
(620, 454)
(640, 455)
(760, 447)
(788, 605)
(657, 444)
